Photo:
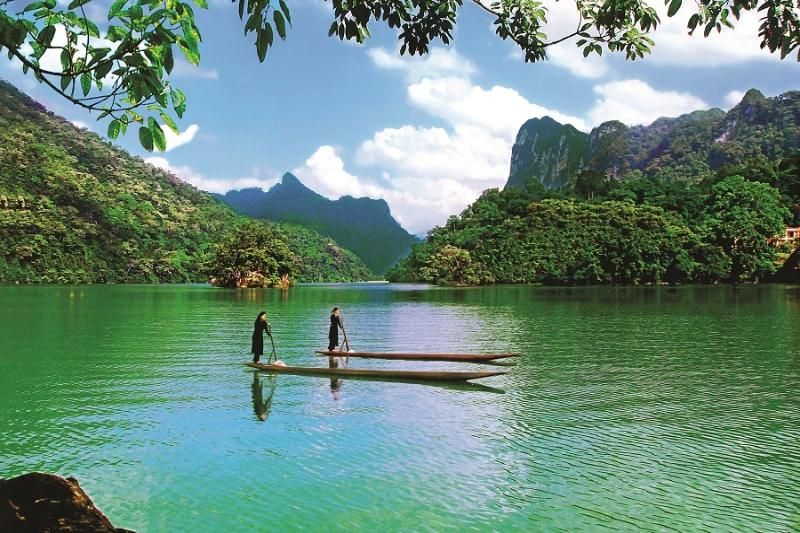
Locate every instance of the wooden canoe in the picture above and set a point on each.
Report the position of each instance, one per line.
(410, 375)
(460, 357)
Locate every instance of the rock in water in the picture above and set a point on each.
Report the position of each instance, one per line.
(38, 502)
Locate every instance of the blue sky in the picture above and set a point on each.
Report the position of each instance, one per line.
(428, 135)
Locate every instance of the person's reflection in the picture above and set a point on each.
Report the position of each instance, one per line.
(336, 383)
(261, 407)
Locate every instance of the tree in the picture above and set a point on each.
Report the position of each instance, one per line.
(254, 255)
(123, 73)
(453, 265)
(788, 182)
(591, 183)
(743, 215)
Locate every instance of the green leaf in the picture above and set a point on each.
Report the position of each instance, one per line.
(46, 35)
(261, 43)
(33, 6)
(674, 6)
(91, 28)
(280, 24)
(103, 69)
(86, 83)
(77, 3)
(114, 128)
(115, 33)
(268, 35)
(65, 81)
(190, 51)
(136, 13)
(286, 13)
(169, 61)
(159, 140)
(694, 20)
(170, 123)
(201, 3)
(116, 8)
(252, 22)
(146, 138)
(178, 102)
(66, 59)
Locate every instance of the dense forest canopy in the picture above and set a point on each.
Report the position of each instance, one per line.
(75, 209)
(119, 62)
(602, 230)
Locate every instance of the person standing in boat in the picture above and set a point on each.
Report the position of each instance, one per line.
(259, 328)
(333, 332)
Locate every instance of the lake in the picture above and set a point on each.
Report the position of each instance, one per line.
(650, 408)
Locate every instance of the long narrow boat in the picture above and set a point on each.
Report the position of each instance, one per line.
(460, 357)
(410, 375)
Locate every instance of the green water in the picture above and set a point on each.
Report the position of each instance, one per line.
(631, 409)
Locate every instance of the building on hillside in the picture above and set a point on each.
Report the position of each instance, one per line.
(791, 235)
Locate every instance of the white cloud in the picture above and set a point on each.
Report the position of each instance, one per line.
(175, 140)
(418, 203)
(324, 173)
(674, 45)
(499, 110)
(733, 98)
(261, 178)
(567, 55)
(438, 63)
(80, 124)
(468, 154)
(636, 102)
(183, 69)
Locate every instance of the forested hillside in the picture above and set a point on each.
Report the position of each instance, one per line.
(603, 230)
(363, 225)
(74, 208)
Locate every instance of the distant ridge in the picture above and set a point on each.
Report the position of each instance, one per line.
(691, 146)
(363, 225)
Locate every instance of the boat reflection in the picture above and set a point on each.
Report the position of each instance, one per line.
(263, 407)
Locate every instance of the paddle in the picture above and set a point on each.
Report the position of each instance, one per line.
(346, 342)
(274, 355)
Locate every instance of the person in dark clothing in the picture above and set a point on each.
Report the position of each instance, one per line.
(333, 332)
(261, 325)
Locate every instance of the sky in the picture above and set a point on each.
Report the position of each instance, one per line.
(425, 134)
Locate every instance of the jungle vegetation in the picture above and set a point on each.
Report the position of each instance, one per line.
(636, 230)
(76, 209)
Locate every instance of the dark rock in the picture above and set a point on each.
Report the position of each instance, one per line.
(38, 502)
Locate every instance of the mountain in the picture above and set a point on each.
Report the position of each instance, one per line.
(547, 150)
(75, 209)
(363, 225)
(689, 147)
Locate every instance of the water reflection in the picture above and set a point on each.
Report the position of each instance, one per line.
(263, 407)
(336, 383)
